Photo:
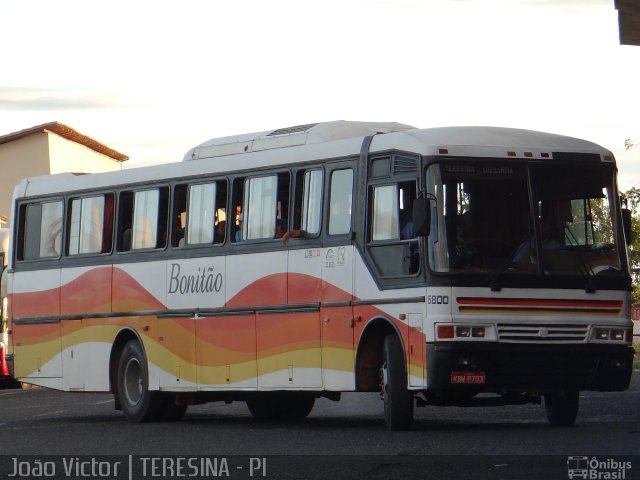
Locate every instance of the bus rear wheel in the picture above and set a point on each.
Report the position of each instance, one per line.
(398, 400)
(281, 406)
(137, 402)
(562, 407)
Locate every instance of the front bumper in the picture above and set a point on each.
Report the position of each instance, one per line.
(528, 367)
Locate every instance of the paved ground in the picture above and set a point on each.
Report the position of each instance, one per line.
(343, 439)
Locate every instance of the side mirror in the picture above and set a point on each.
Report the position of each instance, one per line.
(626, 225)
(421, 216)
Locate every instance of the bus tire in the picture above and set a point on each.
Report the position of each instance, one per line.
(137, 402)
(296, 406)
(562, 407)
(398, 400)
(281, 406)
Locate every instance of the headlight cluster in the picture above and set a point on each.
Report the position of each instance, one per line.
(458, 332)
(611, 335)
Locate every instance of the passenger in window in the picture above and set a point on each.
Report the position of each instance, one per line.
(238, 234)
(281, 228)
(295, 233)
(180, 230)
(220, 231)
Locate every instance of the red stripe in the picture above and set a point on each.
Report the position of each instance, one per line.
(539, 302)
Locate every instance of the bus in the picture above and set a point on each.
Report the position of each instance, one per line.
(444, 266)
(6, 381)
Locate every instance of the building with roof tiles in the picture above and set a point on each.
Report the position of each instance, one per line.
(46, 149)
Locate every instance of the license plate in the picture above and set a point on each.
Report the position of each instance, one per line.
(467, 377)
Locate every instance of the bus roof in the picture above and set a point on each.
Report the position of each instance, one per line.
(290, 137)
(324, 141)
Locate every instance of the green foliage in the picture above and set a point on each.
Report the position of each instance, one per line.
(632, 197)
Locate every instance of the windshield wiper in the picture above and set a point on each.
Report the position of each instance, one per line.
(591, 280)
(583, 262)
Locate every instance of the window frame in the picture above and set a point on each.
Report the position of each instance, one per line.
(105, 227)
(21, 231)
(299, 200)
(221, 190)
(330, 194)
(240, 188)
(160, 214)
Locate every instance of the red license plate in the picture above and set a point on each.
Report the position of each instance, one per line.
(467, 377)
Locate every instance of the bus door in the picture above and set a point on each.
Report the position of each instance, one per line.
(337, 263)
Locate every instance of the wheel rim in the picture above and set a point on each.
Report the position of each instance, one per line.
(133, 381)
(384, 382)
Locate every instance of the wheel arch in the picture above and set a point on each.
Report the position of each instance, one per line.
(122, 338)
(369, 353)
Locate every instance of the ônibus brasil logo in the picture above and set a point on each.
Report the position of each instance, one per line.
(593, 468)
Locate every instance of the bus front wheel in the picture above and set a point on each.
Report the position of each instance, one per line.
(137, 402)
(562, 407)
(398, 401)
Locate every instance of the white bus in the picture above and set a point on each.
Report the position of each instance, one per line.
(446, 266)
(6, 381)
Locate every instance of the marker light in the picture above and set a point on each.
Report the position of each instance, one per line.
(463, 332)
(477, 332)
(445, 331)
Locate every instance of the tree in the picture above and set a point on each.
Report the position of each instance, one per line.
(629, 144)
(632, 199)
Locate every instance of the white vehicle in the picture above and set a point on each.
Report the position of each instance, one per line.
(6, 381)
(432, 265)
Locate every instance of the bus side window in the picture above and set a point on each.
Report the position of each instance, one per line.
(237, 218)
(266, 206)
(179, 216)
(40, 231)
(90, 225)
(221, 212)
(392, 244)
(144, 213)
(206, 217)
(340, 201)
(308, 202)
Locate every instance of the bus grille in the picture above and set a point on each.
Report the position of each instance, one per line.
(537, 333)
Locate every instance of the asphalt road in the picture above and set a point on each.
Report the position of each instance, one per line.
(345, 439)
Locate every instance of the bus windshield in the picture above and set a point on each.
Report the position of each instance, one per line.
(515, 218)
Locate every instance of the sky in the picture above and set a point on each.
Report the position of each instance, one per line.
(152, 79)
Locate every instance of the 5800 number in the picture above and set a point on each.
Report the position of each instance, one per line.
(438, 299)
